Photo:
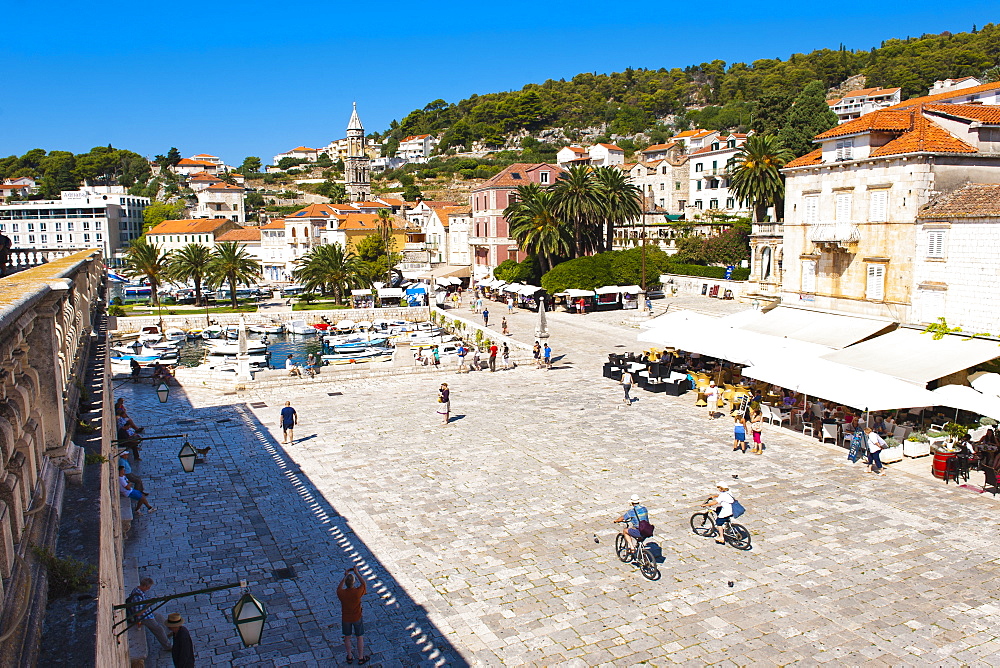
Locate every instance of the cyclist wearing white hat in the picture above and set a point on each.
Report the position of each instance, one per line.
(723, 501)
(631, 518)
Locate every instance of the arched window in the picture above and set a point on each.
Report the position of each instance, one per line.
(765, 263)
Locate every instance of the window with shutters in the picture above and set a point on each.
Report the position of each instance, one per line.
(843, 207)
(875, 285)
(878, 209)
(811, 209)
(809, 276)
(845, 149)
(935, 244)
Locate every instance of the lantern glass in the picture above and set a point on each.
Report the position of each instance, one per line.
(187, 456)
(163, 392)
(249, 616)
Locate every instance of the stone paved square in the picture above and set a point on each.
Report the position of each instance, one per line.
(489, 541)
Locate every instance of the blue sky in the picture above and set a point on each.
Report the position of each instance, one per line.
(259, 78)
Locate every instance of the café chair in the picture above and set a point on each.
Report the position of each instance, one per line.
(829, 432)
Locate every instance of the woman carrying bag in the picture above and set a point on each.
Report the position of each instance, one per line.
(444, 403)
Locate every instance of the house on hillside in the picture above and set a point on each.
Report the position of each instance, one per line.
(247, 237)
(416, 148)
(221, 200)
(188, 166)
(857, 103)
(570, 156)
(605, 155)
(708, 173)
(299, 153)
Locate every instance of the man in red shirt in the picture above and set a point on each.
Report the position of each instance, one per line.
(349, 591)
(493, 357)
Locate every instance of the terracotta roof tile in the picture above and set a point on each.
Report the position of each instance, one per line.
(369, 222)
(204, 176)
(303, 149)
(225, 186)
(655, 148)
(392, 201)
(315, 211)
(245, 234)
(975, 200)
(188, 162)
(610, 147)
(925, 136)
(811, 158)
(984, 113)
(881, 120)
(189, 226)
(276, 224)
(506, 179)
(984, 88)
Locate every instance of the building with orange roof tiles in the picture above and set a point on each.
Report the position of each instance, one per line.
(220, 200)
(857, 103)
(856, 237)
(416, 148)
(171, 235)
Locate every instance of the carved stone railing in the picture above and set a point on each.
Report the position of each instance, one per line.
(835, 235)
(20, 259)
(45, 326)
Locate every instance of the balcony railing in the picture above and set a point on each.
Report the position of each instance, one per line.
(767, 229)
(20, 259)
(839, 235)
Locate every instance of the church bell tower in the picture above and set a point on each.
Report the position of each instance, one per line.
(357, 165)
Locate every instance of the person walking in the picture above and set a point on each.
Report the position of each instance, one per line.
(875, 446)
(444, 403)
(437, 358)
(626, 383)
(547, 356)
(503, 327)
(350, 592)
(477, 362)
(461, 352)
(739, 433)
(510, 304)
(183, 649)
(757, 431)
(536, 352)
(145, 618)
(493, 357)
(289, 418)
(506, 357)
(486, 317)
(712, 394)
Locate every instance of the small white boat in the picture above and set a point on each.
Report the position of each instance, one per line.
(345, 326)
(265, 329)
(175, 334)
(379, 355)
(224, 347)
(195, 333)
(150, 334)
(231, 332)
(299, 327)
(212, 332)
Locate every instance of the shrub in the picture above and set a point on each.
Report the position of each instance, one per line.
(116, 311)
(94, 458)
(66, 576)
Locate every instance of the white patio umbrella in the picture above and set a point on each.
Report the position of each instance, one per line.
(986, 382)
(967, 399)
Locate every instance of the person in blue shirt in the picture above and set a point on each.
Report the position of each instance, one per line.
(289, 418)
(631, 518)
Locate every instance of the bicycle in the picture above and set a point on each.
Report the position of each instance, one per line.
(641, 556)
(735, 534)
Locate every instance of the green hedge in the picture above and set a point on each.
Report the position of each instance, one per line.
(739, 273)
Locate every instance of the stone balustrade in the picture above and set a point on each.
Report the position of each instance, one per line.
(19, 259)
(192, 319)
(45, 332)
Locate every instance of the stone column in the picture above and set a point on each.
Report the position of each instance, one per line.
(43, 357)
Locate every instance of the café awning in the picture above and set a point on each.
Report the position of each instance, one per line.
(608, 290)
(836, 330)
(677, 329)
(916, 356)
(390, 292)
(967, 399)
(361, 293)
(574, 293)
(864, 390)
(528, 290)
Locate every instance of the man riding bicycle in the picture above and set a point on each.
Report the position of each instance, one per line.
(631, 518)
(723, 501)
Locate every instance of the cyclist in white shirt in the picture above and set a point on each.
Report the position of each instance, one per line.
(724, 508)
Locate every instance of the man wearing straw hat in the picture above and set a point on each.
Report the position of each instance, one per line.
(183, 651)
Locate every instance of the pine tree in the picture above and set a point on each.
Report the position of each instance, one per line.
(809, 116)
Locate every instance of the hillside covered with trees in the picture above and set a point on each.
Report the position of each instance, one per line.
(712, 95)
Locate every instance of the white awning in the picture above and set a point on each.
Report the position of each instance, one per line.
(864, 390)
(912, 355)
(629, 289)
(967, 399)
(836, 330)
(529, 290)
(361, 293)
(513, 287)
(390, 292)
(608, 289)
(985, 382)
(573, 293)
(677, 329)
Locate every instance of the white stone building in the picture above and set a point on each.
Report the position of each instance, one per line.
(605, 155)
(277, 260)
(299, 153)
(247, 237)
(416, 148)
(570, 156)
(172, 235)
(104, 217)
(708, 173)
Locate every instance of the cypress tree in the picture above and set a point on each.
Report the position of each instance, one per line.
(809, 116)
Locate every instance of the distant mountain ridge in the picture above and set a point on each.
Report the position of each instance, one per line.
(715, 95)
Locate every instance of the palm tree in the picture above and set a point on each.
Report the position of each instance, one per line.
(331, 269)
(535, 227)
(145, 259)
(190, 264)
(576, 202)
(754, 177)
(620, 200)
(231, 263)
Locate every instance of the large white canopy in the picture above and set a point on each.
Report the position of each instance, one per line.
(967, 399)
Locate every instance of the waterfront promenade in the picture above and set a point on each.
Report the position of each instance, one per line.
(490, 541)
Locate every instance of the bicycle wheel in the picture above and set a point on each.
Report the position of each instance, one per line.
(647, 565)
(621, 548)
(738, 536)
(701, 524)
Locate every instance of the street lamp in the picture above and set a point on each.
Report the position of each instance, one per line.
(187, 455)
(162, 392)
(249, 616)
